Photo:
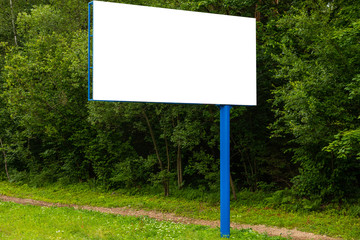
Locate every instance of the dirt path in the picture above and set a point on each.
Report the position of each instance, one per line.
(271, 231)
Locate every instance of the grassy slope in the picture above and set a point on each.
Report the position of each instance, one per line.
(329, 222)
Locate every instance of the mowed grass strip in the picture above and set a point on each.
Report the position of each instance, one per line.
(33, 222)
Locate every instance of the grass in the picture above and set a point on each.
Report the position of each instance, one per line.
(330, 222)
(33, 222)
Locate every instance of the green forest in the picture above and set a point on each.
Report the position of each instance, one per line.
(301, 140)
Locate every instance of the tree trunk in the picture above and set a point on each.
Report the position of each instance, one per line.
(244, 163)
(13, 22)
(255, 174)
(257, 13)
(178, 159)
(233, 189)
(167, 180)
(153, 139)
(179, 166)
(5, 160)
(165, 184)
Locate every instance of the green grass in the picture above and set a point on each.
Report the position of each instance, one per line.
(331, 222)
(33, 222)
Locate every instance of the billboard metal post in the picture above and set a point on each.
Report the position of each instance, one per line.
(225, 171)
(90, 36)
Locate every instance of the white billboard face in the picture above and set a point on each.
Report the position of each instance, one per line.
(147, 54)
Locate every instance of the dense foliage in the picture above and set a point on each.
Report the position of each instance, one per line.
(303, 135)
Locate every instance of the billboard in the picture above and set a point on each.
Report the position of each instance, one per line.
(148, 54)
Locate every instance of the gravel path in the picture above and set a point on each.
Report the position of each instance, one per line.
(271, 231)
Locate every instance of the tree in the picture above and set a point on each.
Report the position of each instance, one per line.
(319, 44)
(45, 94)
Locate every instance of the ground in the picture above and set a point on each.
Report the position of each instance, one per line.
(271, 231)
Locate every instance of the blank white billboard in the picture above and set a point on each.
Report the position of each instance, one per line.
(147, 54)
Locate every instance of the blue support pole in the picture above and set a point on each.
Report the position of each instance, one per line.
(90, 35)
(225, 171)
